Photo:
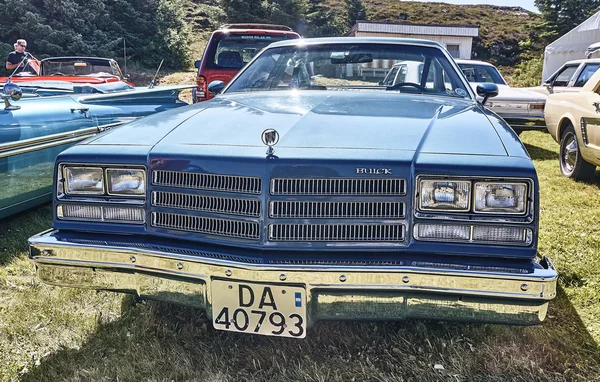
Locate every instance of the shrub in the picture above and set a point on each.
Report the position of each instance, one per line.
(528, 73)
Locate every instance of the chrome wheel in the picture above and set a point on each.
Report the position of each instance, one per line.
(570, 152)
(572, 164)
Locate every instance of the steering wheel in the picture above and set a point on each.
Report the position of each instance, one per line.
(58, 74)
(403, 84)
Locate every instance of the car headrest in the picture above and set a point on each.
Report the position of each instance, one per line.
(230, 59)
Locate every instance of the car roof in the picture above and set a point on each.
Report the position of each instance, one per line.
(582, 60)
(361, 40)
(474, 62)
(77, 58)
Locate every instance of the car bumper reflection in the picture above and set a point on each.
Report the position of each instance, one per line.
(333, 292)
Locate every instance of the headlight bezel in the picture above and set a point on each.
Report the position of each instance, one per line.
(62, 191)
(421, 180)
(107, 183)
(525, 218)
(525, 201)
(79, 193)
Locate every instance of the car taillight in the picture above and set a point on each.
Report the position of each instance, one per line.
(201, 91)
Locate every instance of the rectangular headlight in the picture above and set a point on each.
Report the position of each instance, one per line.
(501, 198)
(128, 182)
(83, 180)
(444, 195)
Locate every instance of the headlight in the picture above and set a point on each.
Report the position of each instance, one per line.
(126, 182)
(444, 195)
(500, 198)
(84, 180)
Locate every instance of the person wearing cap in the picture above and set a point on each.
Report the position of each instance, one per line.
(15, 59)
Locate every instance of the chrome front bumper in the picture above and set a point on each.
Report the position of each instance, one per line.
(333, 292)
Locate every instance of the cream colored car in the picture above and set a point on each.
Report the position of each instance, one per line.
(573, 120)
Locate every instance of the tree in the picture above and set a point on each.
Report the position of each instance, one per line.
(320, 21)
(153, 29)
(355, 10)
(560, 16)
(245, 11)
(286, 12)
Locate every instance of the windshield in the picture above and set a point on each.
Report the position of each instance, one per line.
(482, 73)
(353, 66)
(79, 67)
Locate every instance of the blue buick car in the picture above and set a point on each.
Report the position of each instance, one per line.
(310, 190)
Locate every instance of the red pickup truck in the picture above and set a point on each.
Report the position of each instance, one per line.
(230, 48)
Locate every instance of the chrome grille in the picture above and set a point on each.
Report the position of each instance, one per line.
(328, 186)
(336, 209)
(232, 206)
(336, 232)
(212, 182)
(212, 226)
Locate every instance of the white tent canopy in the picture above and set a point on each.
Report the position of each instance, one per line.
(571, 46)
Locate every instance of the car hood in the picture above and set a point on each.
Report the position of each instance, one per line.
(365, 121)
(506, 93)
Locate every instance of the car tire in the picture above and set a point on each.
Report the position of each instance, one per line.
(572, 164)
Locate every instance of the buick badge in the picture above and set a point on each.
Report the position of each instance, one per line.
(270, 137)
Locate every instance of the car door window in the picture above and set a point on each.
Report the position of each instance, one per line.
(563, 78)
(587, 72)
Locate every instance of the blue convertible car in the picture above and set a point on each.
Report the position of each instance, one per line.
(309, 190)
(41, 119)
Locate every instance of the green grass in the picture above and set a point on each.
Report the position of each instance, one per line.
(52, 334)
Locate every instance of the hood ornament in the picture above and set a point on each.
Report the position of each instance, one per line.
(270, 137)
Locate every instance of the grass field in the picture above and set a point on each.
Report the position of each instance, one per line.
(54, 334)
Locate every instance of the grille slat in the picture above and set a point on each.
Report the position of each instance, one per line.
(211, 182)
(212, 226)
(231, 206)
(336, 232)
(284, 209)
(370, 187)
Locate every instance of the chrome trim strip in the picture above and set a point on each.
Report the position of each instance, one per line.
(47, 141)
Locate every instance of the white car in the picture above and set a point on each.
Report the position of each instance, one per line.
(571, 77)
(520, 108)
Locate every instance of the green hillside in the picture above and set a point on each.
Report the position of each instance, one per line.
(501, 28)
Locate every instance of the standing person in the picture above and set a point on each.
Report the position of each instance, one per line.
(15, 59)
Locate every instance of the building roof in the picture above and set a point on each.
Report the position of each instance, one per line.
(415, 29)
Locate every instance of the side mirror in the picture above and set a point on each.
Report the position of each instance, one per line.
(216, 87)
(487, 90)
(548, 85)
(197, 64)
(12, 91)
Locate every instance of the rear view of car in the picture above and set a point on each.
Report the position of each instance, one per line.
(230, 48)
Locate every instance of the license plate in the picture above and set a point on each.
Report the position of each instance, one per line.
(272, 310)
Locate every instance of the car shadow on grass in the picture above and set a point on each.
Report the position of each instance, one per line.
(158, 341)
(16, 229)
(540, 153)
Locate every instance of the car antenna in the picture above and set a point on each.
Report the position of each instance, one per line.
(156, 74)
(125, 56)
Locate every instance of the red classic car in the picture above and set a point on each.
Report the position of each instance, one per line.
(230, 48)
(88, 70)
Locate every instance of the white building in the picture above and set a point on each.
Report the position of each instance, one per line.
(571, 46)
(458, 39)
